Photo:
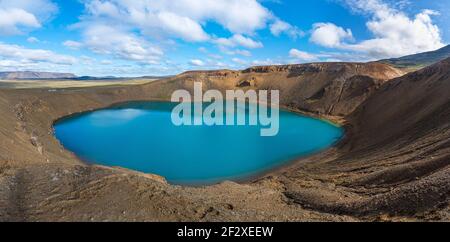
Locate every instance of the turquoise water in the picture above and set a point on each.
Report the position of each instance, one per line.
(140, 136)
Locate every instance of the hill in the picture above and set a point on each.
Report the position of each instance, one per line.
(323, 88)
(418, 61)
(17, 75)
(31, 75)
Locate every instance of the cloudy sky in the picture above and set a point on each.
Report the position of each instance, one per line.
(160, 37)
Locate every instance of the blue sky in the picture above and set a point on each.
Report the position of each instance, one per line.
(160, 37)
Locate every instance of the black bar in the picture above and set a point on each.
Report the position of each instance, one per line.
(228, 231)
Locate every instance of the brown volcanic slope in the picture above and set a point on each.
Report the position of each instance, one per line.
(334, 89)
(393, 164)
(397, 155)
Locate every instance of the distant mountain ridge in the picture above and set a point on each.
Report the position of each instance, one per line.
(17, 75)
(418, 61)
(32, 75)
(114, 78)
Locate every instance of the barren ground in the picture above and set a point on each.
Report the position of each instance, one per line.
(393, 164)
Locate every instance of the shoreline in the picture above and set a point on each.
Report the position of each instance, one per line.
(245, 179)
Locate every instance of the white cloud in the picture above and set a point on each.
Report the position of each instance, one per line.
(206, 64)
(239, 61)
(20, 15)
(106, 62)
(220, 64)
(203, 50)
(177, 18)
(42, 9)
(329, 35)
(13, 18)
(279, 27)
(107, 40)
(186, 20)
(266, 62)
(302, 55)
(243, 53)
(229, 51)
(32, 40)
(239, 40)
(196, 62)
(215, 56)
(395, 33)
(212, 64)
(140, 30)
(183, 27)
(25, 55)
(72, 44)
(138, 24)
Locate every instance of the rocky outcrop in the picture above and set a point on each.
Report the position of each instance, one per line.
(334, 89)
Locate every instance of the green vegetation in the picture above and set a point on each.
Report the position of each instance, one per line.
(418, 61)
